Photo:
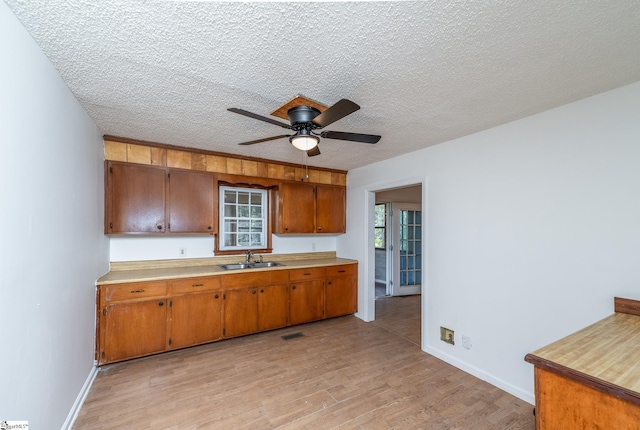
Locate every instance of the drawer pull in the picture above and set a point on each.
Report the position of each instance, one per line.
(197, 285)
(341, 271)
(137, 291)
(307, 274)
(216, 296)
(293, 287)
(161, 304)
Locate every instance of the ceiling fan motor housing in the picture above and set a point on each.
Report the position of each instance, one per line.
(302, 114)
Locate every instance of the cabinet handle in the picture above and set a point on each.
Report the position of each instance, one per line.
(329, 282)
(209, 228)
(159, 227)
(307, 274)
(341, 271)
(262, 290)
(137, 291)
(286, 228)
(216, 296)
(293, 287)
(319, 228)
(254, 291)
(197, 285)
(161, 304)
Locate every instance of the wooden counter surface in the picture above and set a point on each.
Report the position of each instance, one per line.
(604, 355)
(170, 269)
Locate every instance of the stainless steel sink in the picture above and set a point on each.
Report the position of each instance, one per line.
(256, 265)
(234, 266)
(266, 264)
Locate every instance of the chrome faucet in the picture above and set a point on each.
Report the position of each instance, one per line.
(248, 256)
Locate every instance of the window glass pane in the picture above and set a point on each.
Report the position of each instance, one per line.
(379, 238)
(380, 215)
(230, 197)
(256, 212)
(230, 240)
(256, 199)
(243, 211)
(409, 217)
(230, 226)
(418, 217)
(243, 198)
(411, 278)
(229, 210)
(418, 277)
(410, 232)
(418, 232)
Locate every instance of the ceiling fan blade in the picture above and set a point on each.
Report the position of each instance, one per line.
(266, 139)
(354, 137)
(338, 111)
(313, 151)
(259, 117)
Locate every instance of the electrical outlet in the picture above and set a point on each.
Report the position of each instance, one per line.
(466, 341)
(447, 335)
(183, 252)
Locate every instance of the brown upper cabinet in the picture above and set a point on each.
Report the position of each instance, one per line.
(305, 208)
(134, 199)
(191, 202)
(151, 199)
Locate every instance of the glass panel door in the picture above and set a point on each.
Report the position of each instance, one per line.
(407, 249)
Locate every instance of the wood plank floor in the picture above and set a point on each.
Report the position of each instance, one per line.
(342, 374)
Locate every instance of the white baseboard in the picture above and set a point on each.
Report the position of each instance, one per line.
(77, 405)
(480, 374)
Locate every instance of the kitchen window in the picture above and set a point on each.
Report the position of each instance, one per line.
(243, 218)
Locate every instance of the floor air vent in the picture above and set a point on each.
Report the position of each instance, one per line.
(292, 336)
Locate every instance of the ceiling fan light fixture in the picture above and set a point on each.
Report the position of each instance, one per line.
(304, 141)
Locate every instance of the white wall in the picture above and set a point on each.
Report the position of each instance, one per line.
(53, 249)
(140, 248)
(532, 228)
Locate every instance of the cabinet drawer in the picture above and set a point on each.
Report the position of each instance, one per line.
(134, 291)
(253, 279)
(309, 273)
(342, 270)
(193, 285)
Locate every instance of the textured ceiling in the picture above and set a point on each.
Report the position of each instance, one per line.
(424, 72)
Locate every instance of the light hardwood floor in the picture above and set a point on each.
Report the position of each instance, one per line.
(342, 374)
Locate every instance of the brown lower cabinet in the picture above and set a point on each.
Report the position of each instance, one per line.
(144, 318)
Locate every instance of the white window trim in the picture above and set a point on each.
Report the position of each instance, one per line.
(222, 218)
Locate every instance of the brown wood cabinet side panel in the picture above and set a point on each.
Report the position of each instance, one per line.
(562, 403)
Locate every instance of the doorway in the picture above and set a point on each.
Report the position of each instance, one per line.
(398, 265)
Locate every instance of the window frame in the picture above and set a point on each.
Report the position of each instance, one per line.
(377, 227)
(267, 204)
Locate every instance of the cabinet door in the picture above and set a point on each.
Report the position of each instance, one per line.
(190, 202)
(306, 301)
(133, 329)
(342, 296)
(330, 209)
(135, 199)
(296, 208)
(195, 319)
(240, 312)
(273, 307)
